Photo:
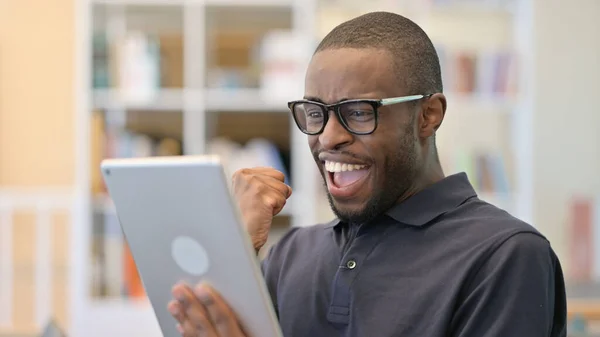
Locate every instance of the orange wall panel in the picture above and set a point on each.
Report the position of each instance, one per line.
(37, 54)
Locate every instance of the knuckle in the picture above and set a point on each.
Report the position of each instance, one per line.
(242, 171)
(236, 175)
(241, 174)
(252, 179)
(257, 184)
(269, 201)
(272, 201)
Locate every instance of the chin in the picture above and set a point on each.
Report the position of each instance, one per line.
(348, 211)
(345, 212)
(348, 206)
(360, 209)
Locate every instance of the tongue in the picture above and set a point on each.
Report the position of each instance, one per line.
(342, 179)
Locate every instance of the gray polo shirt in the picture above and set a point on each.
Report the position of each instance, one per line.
(443, 263)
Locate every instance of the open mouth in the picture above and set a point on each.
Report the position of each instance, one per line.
(345, 179)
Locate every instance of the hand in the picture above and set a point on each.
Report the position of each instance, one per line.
(201, 312)
(261, 194)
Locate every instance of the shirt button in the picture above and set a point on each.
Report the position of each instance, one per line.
(351, 264)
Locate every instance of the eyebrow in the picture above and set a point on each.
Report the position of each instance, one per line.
(316, 99)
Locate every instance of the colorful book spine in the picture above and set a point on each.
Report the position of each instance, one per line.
(581, 240)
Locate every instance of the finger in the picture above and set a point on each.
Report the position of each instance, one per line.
(196, 321)
(283, 189)
(176, 311)
(243, 179)
(271, 172)
(189, 329)
(274, 201)
(266, 171)
(220, 314)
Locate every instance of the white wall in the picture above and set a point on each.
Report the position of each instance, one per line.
(566, 118)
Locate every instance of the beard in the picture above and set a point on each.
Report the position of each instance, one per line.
(400, 173)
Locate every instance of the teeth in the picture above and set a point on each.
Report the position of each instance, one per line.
(342, 167)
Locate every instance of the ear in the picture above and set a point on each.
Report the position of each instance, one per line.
(432, 115)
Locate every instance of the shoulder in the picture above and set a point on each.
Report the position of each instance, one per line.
(499, 238)
(527, 249)
(483, 234)
(478, 211)
(479, 222)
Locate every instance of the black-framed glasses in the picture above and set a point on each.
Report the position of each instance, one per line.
(357, 116)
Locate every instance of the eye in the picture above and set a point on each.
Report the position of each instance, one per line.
(314, 114)
(360, 115)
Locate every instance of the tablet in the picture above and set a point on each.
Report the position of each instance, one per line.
(181, 224)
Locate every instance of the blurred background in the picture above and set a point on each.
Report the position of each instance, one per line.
(83, 80)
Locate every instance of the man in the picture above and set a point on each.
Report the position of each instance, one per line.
(412, 252)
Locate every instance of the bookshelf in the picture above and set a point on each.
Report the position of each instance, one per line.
(171, 77)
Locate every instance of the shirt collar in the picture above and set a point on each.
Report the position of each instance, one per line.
(431, 202)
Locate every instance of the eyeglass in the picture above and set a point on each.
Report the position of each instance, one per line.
(357, 116)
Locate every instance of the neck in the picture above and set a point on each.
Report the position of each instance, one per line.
(430, 174)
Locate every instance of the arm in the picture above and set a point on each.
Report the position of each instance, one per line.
(518, 291)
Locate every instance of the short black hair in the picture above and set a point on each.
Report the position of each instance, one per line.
(415, 57)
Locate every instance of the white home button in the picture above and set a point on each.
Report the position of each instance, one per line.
(189, 255)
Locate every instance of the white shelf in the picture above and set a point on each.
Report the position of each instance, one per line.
(165, 99)
(247, 100)
(242, 100)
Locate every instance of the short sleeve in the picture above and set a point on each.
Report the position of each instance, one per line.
(518, 291)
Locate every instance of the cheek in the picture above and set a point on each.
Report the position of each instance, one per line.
(398, 150)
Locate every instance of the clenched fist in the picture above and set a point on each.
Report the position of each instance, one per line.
(261, 194)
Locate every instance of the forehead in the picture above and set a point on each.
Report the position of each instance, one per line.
(348, 73)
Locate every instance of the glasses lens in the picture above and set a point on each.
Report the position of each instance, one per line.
(310, 117)
(359, 117)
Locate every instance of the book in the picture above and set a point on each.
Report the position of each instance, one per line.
(581, 239)
(489, 74)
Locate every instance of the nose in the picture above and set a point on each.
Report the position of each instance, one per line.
(334, 135)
